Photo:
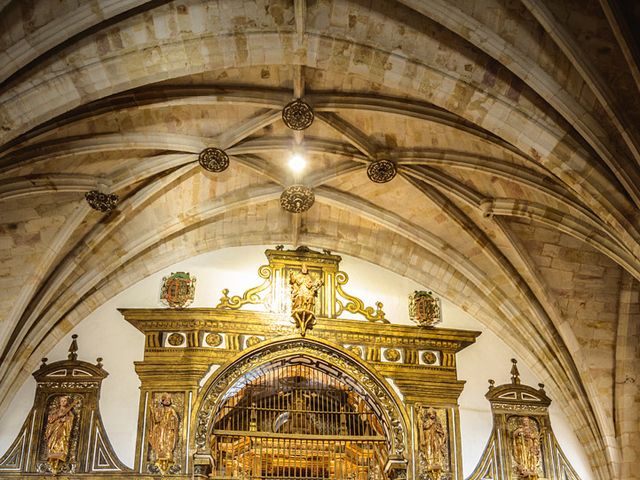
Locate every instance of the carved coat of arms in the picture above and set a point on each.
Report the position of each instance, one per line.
(424, 308)
(178, 290)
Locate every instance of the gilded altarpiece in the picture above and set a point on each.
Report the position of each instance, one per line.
(272, 394)
(273, 384)
(63, 433)
(522, 445)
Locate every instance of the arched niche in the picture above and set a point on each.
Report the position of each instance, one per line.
(342, 372)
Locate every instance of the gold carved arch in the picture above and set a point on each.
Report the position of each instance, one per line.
(366, 382)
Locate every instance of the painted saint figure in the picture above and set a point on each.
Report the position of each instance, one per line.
(58, 431)
(304, 290)
(432, 442)
(163, 431)
(526, 448)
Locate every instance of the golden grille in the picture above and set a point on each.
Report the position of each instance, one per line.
(293, 420)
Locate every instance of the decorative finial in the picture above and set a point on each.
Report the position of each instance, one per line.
(492, 383)
(44, 362)
(541, 385)
(99, 362)
(279, 247)
(515, 374)
(73, 348)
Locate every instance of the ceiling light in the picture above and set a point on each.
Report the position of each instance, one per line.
(297, 162)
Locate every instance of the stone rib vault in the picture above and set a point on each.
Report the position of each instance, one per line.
(513, 126)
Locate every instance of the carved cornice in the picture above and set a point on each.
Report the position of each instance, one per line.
(263, 323)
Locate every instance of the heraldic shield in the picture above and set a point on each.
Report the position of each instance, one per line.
(178, 290)
(424, 309)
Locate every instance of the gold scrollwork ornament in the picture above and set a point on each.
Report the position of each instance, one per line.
(354, 304)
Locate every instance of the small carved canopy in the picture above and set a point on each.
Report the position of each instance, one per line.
(70, 370)
(515, 393)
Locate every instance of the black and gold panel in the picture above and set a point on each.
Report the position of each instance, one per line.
(332, 398)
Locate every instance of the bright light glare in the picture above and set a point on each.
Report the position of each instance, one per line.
(297, 162)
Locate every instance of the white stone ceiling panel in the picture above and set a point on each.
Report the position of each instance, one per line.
(100, 164)
(585, 285)
(199, 120)
(265, 76)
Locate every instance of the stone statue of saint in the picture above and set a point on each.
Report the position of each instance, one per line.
(526, 448)
(432, 441)
(163, 431)
(304, 290)
(58, 431)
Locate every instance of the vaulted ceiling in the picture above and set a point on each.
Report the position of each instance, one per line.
(513, 125)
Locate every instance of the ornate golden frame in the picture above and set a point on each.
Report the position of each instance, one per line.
(213, 391)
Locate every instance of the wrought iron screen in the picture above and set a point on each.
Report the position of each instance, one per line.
(298, 419)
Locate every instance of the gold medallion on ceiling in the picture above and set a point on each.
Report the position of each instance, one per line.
(102, 202)
(213, 160)
(297, 115)
(297, 199)
(381, 171)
